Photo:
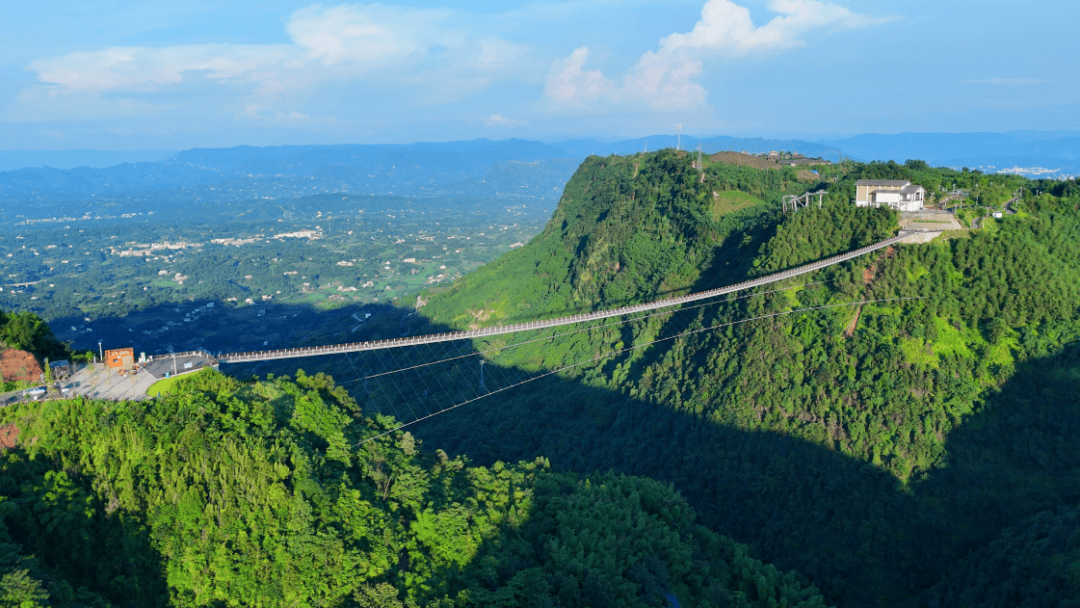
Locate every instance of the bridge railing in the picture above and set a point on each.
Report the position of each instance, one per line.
(495, 330)
(187, 353)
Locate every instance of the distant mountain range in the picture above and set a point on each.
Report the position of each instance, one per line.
(478, 168)
(70, 159)
(481, 151)
(1032, 153)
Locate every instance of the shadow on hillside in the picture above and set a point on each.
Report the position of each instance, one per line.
(208, 325)
(90, 544)
(729, 263)
(849, 526)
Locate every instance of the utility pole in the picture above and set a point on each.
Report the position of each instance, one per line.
(101, 353)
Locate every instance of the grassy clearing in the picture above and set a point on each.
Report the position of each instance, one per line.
(954, 234)
(730, 201)
(949, 341)
(164, 385)
(916, 352)
(917, 272)
(952, 341)
(1001, 354)
(792, 297)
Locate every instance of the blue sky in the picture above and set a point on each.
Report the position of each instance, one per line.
(152, 75)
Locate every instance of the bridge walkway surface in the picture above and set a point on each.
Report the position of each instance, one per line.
(333, 349)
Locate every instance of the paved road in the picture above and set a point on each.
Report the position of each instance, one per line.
(98, 382)
(975, 223)
(162, 365)
(101, 383)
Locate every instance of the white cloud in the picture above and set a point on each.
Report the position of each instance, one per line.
(498, 120)
(368, 36)
(496, 55)
(429, 52)
(142, 68)
(726, 28)
(664, 79)
(569, 83)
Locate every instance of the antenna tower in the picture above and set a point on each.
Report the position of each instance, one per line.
(700, 164)
(678, 139)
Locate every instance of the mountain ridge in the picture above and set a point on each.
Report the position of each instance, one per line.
(879, 463)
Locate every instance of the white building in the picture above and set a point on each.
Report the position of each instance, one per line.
(898, 194)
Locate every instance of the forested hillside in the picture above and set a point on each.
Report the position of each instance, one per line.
(871, 446)
(896, 430)
(27, 331)
(231, 494)
(628, 229)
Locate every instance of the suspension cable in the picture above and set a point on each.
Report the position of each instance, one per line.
(630, 348)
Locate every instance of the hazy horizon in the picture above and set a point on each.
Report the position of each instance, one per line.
(142, 75)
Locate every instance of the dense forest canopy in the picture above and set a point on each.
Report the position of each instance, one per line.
(255, 495)
(887, 474)
(896, 430)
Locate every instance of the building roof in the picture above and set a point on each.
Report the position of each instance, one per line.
(912, 189)
(883, 182)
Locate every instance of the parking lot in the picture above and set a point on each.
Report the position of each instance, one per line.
(99, 382)
(91, 381)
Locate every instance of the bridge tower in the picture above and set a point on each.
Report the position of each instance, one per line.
(795, 201)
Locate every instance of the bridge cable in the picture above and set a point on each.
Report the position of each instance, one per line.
(453, 382)
(591, 328)
(631, 348)
(572, 319)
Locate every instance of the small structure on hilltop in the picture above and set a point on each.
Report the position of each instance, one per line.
(60, 369)
(120, 358)
(794, 202)
(899, 194)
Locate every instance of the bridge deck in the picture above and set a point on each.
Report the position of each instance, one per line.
(314, 351)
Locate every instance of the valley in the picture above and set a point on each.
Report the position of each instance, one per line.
(881, 421)
(98, 280)
(539, 304)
